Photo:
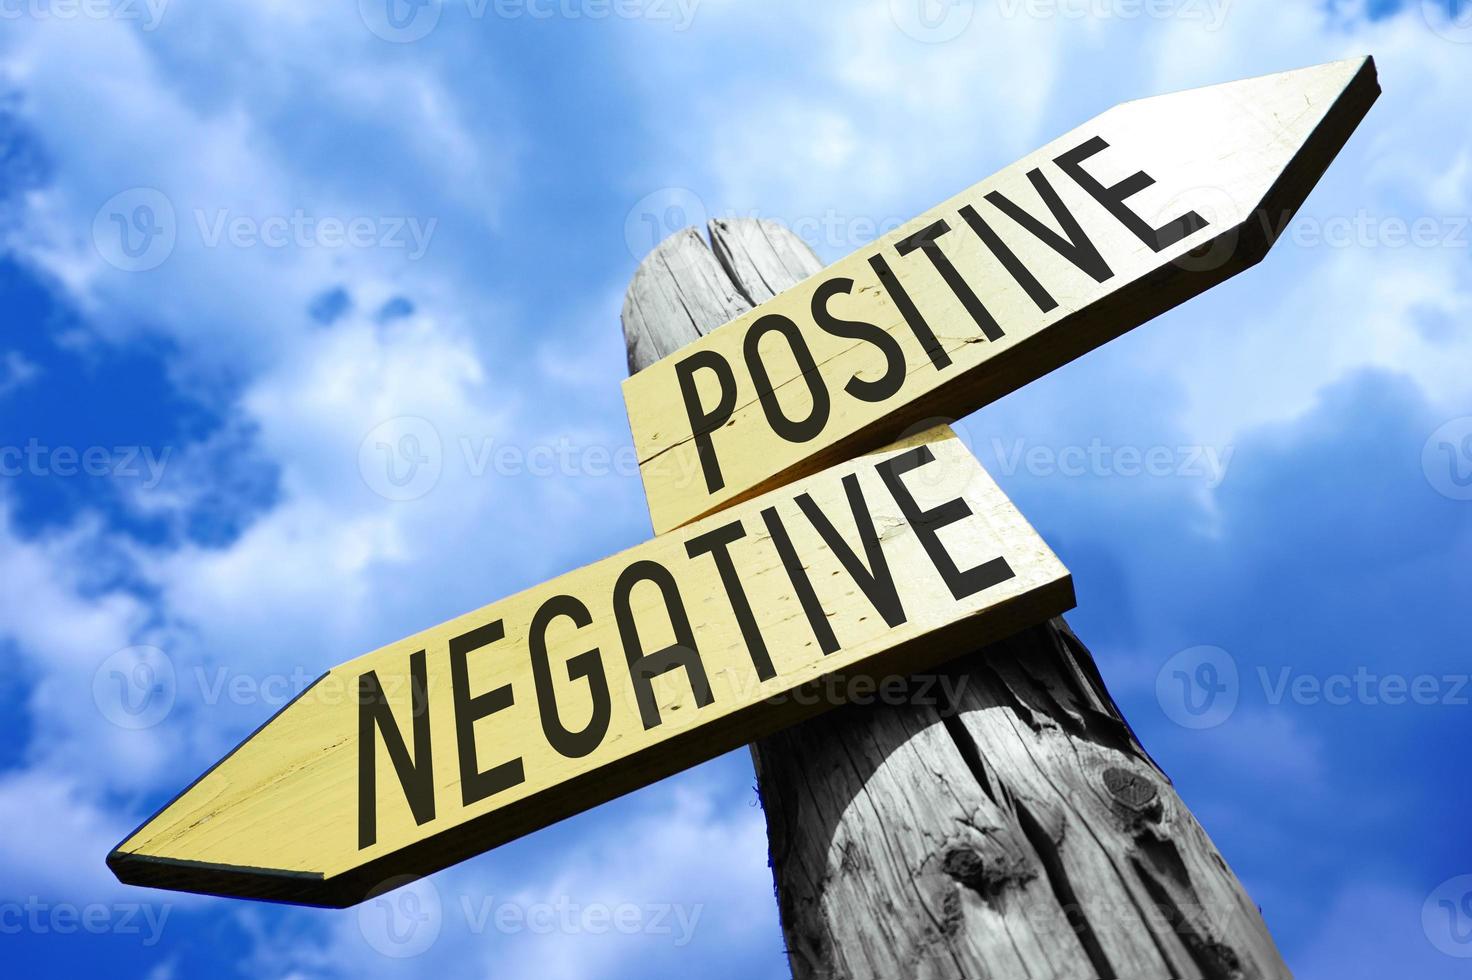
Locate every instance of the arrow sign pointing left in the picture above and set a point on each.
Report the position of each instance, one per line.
(507, 719)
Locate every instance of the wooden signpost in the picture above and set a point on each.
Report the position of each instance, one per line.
(805, 537)
(1125, 217)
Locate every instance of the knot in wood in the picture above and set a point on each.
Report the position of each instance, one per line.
(1130, 789)
(965, 866)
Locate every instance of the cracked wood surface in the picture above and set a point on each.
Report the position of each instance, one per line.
(1003, 821)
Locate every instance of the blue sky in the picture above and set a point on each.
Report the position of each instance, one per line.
(191, 502)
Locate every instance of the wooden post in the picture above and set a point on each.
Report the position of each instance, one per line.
(1003, 821)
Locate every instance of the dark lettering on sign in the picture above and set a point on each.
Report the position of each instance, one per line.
(871, 572)
(894, 355)
(1113, 198)
(865, 562)
(702, 421)
(801, 584)
(572, 745)
(916, 321)
(927, 241)
(803, 430)
(1074, 244)
(876, 581)
(416, 774)
(717, 544)
(1069, 240)
(1050, 221)
(643, 668)
(474, 784)
(928, 523)
(1019, 272)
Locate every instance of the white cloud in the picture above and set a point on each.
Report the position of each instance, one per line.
(16, 372)
(144, 124)
(1373, 930)
(64, 623)
(684, 865)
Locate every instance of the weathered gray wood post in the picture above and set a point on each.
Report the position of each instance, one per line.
(1019, 830)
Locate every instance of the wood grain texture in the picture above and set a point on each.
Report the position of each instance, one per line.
(677, 288)
(1014, 829)
(1129, 215)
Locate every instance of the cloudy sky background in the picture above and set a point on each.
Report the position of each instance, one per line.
(253, 538)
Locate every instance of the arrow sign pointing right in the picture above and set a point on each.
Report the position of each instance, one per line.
(1124, 218)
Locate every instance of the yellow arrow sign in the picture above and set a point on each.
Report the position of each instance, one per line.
(1125, 217)
(545, 704)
